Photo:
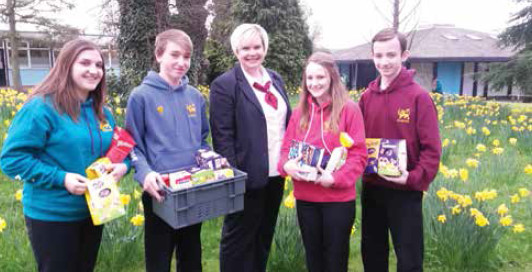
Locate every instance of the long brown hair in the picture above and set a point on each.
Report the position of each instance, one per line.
(337, 91)
(60, 85)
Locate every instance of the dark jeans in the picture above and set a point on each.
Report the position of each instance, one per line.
(247, 235)
(160, 241)
(400, 213)
(64, 246)
(325, 229)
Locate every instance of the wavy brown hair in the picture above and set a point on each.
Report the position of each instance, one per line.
(337, 91)
(60, 85)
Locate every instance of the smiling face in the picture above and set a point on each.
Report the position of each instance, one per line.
(388, 58)
(318, 82)
(174, 63)
(250, 53)
(87, 71)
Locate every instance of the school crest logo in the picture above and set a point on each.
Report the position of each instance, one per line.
(403, 115)
(105, 127)
(191, 109)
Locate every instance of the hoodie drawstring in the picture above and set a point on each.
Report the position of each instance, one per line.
(90, 134)
(310, 123)
(321, 126)
(323, 138)
(89, 128)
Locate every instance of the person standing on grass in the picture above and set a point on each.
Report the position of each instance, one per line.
(395, 107)
(326, 206)
(249, 110)
(168, 120)
(61, 130)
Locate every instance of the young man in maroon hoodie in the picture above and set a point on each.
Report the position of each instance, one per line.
(395, 107)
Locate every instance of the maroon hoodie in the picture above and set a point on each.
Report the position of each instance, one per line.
(404, 111)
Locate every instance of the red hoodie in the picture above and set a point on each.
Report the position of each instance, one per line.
(404, 111)
(350, 122)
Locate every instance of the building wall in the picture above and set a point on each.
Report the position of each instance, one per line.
(30, 77)
(468, 79)
(423, 74)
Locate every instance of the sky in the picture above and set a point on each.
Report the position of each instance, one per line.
(347, 23)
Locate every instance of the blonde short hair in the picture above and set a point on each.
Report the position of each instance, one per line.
(246, 31)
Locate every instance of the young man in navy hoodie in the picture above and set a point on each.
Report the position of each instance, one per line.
(168, 121)
(395, 107)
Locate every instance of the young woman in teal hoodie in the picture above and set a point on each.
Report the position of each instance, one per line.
(62, 128)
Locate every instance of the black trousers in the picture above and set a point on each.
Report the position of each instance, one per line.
(400, 213)
(247, 235)
(325, 229)
(64, 246)
(160, 241)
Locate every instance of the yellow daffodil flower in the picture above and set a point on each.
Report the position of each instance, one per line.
(125, 199)
(518, 228)
(18, 195)
(506, 221)
(502, 209)
(442, 218)
(524, 192)
(515, 198)
(464, 174)
(472, 163)
(290, 201)
(137, 220)
(3, 224)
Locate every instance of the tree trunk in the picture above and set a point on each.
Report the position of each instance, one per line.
(13, 41)
(396, 14)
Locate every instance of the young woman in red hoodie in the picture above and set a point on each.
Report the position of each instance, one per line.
(325, 205)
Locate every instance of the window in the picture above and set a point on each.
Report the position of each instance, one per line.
(37, 56)
(40, 58)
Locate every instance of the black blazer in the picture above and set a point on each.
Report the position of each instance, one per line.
(238, 125)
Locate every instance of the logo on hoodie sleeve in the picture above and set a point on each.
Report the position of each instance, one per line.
(403, 115)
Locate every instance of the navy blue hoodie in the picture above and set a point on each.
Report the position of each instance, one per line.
(169, 124)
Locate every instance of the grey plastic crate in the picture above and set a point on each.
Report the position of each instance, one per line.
(202, 202)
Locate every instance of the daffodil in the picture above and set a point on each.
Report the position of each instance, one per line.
(515, 198)
(442, 218)
(464, 174)
(496, 142)
(456, 209)
(512, 141)
(474, 212)
(18, 195)
(136, 194)
(498, 150)
(137, 220)
(445, 142)
(125, 199)
(3, 224)
(140, 206)
(506, 221)
(118, 111)
(472, 163)
(486, 131)
(443, 194)
(518, 228)
(528, 169)
(290, 201)
(524, 192)
(481, 148)
(502, 209)
(481, 220)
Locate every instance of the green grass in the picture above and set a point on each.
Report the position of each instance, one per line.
(453, 246)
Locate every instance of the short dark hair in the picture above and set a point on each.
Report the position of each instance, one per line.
(388, 34)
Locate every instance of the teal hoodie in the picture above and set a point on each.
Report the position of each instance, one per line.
(43, 145)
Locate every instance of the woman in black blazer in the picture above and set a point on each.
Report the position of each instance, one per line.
(249, 111)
